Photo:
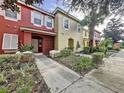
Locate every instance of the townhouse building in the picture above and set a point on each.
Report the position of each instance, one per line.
(68, 29)
(97, 38)
(45, 31)
(85, 37)
(29, 26)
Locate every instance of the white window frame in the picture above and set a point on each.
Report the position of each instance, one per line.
(10, 46)
(78, 25)
(68, 23)
(13, 19)
(46, 18)
(32, 18)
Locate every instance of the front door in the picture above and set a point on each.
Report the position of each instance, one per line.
(71, 44)
(35, 45)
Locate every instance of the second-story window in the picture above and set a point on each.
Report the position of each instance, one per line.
(37, 19)
(66, 23)
(13, 16)
(49, 22)
(10, 14)
(78, 27)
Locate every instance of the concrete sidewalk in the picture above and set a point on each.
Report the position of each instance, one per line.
(107, 79)
(57, 77)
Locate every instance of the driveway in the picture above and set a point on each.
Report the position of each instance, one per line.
(107, 79)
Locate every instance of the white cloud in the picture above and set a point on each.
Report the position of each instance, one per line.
(77, 14)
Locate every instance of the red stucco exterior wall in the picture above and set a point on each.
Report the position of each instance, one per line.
(13, 27)
(27, 38)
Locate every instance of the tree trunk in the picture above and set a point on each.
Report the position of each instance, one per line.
(91, 27)
(91, 34)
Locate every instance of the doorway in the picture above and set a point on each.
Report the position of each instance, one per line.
(37, 42)
(71, 43)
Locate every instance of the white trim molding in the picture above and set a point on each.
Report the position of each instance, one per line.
(12, 42)
(37, 31)
(64, 18)
(46, 19)
(32, 18)
(13, 19)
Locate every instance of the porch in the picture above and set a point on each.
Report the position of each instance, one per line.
(43, 41)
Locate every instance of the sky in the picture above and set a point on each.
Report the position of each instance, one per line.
(50, 5)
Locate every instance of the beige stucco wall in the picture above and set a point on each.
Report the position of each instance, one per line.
(61, 40)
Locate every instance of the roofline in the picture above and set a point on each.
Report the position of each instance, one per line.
(40, 10)
(23, 28)
(97, 31)
(66, 13)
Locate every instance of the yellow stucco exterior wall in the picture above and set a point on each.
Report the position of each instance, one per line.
(85, 38)
(63, 35)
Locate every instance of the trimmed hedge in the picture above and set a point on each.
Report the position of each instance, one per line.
(86, 50)
(65, 52)
(97, 57)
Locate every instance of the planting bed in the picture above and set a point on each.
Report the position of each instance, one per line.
(73, 62)
(19, 77)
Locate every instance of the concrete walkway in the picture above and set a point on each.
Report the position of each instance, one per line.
(57, 77)
(107, 79)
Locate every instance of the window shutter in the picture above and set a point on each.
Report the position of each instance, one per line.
(45, 21)
(14, 42)
(19, 14)
(52, 23)
(6, 41)
(42, 20)
(32, 17)
(1, 12)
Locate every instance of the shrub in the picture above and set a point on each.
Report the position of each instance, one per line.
(95, 49)
(3, 90)
(24, 90)
(122, 45)
(86, 50)
(24, 48)
(103, 49)
(117, 49)
(8, 58)
(97, 57)
(65, 52)
(107, 43)
(78, 45)
(2, 78)
(85, 64)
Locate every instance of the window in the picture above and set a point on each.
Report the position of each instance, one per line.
(13, 16)
(66, 23)
(10, 41)
(49, 22)
(37, 19)
(10, 14)
(78, 27)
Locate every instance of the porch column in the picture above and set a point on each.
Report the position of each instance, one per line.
(27, 38)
